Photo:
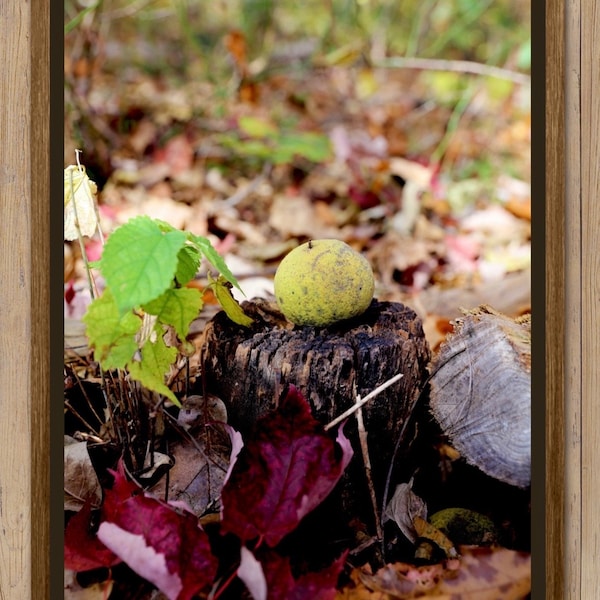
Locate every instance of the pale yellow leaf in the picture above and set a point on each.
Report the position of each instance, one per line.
(80, 194)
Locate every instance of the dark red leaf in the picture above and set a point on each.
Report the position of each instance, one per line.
(281, 585)
(363, 197)
(121, 491)
(287, 467)
(69, 292)
(164, 546)
(83, 550)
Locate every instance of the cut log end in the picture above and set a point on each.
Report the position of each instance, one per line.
(481, 393)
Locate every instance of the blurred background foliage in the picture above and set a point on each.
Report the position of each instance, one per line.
(208, 50)
(185, 37)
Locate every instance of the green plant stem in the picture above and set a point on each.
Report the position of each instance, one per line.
(75, 21)
(452, 126)
(412, 44)
(458, 26)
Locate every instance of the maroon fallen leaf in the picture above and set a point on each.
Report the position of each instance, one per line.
(83, 550)
(162, 545)
(314, 585)
(121, 491)
(287, 467)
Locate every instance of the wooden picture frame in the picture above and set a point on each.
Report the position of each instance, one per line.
(24, 299)
(572, 183)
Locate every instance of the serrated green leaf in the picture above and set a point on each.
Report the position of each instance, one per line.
(229, 304)
(150, 371)
(164, 226)
(110, 334)
(187, 265)
(119, 354)
(139, 261)
(215, 259)
(177, 307)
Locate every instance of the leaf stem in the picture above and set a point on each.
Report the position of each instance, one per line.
(225, 585)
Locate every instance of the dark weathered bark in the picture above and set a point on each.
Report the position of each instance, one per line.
(249, 369)
(481, 393)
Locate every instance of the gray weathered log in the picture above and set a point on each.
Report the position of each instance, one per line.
(481, 393)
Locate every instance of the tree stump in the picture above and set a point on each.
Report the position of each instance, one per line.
(481, 393)
(249, 369)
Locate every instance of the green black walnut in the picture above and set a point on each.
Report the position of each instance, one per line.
(322, 282)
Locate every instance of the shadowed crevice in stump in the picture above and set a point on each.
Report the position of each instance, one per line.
(249, 369)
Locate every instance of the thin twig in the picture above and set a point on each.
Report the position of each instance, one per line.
(364, 448)
(388, 479)
(362, 401)
(244, 192)
(459, 66)
(87, 399)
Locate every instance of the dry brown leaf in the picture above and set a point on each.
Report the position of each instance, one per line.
(80, 479)
(96, 591)
(197, 475)
(520, 207)
(479, 574)
(403, 507)
(489, 574)
(295, 216)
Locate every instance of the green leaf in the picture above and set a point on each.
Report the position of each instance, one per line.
(257, 127)
(177, 307)
(313, 146)
(215, 259)
(139, 261)
(164, 226)
(156, 360)
(253, 148)
(245, 148)
(282, 156)
(111, 334)
(187, 265)
(233, 310)
(524, 56)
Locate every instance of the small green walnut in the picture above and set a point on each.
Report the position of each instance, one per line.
(322, 282)
(464, 526)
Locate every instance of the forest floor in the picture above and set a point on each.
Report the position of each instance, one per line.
(425, 171)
